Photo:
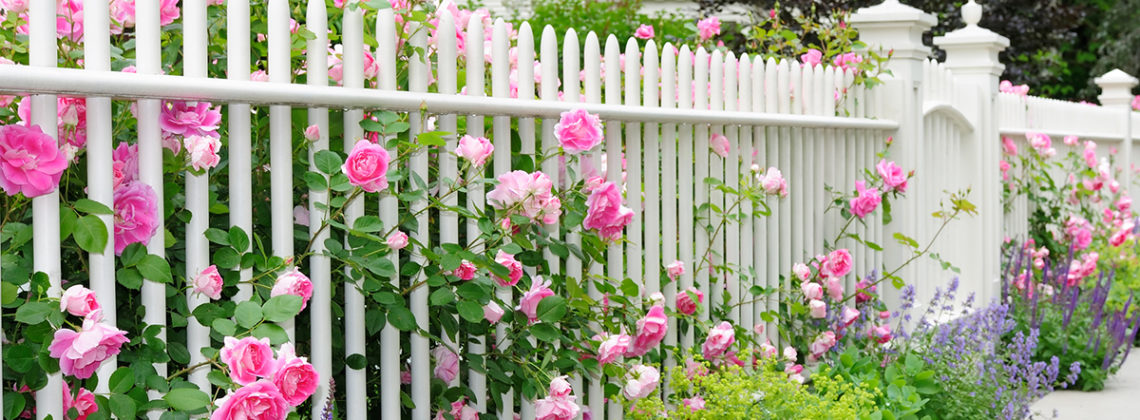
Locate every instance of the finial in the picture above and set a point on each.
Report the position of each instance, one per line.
(971, 13)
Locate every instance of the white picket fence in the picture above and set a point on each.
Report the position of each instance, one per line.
(945, 119)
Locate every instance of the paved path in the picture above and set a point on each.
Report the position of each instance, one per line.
(1120, 399)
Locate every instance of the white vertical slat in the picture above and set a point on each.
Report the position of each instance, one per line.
(772, 226)
(96, 58)
(390, 404)
(784, 218)
(194, 53)
(419, 67)
(320, 268)
(715, 251)
(747, 262)
(633, 195)
(669, 238)
(651, 194)
(500, 69)
(447, 73)
(731, 232)
(475, 87)
(832, 141)
(239, 160)
(281, 137)
(846, 167)
(525, 82)
(796, 162)
(807, 93)
(613, 171)
(352, 77)
(760, 227)
(592, 93)
(685, 179)
(42, 52)
(700, 155)
(571, 93)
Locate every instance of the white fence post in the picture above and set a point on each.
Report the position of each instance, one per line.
(972, 56)
(1116, 92)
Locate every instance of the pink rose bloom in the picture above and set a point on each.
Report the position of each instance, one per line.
(293, 282)
(259, 76)
(834, 288)
(260, 400)
(720, 338)
(773, 183)
(294, 377)
(128, 155)
(1008, 146)
(1080, 231)
(367, 166)
(186, 119)
(880, 333)
(528, 194)
(406, 377)
(812, 58)
(466, 270)
(893, 176)
(248, 359)
(559, 405)
(848, 61)
(459, 410)
(822, 344)
(1136, 102)
(695, 404)
(1004, 166)
(606, 214)
(866, 201)
(475, 149)
(397, 240)
(708, 27)
(1124, 204)
(767, 350)
(817, 309)
(790, 353)
(1071, 140)
(301, 215)
(812, 291)
(30, 161)
(81, 352)
(578, 131)
(694, 369)
(509, 261)
(1042, 143)
(640, 382)
(612, 347)
(837, 263)
(685, 304)
(801, 271)
(78, 300)
(1008, 87)
(675, 269)
(719, 145)
(209, 283)
(446, 364)
(84, 402)
(651, 330)
(644, 32)
(136, 215)
(14, 6)
(848, 316)
(313, 133)
(758, 329)
(492, 312)
(539, 290)
(203, 151)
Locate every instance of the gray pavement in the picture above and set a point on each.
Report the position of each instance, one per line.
(1120, 399)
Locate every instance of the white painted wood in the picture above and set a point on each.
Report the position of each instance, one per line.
(475, 192)
(500, 70)
(701, 196)
(686, 186)
(239, 160)
(194, 64)
(419, 67)
(320, 265)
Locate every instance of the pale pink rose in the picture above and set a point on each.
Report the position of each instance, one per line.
(170, 141)
(767, 350)
(1004, 166)
(1008, 146)
(651, 330)
(694, 369)
(446, 364)
(606, 214)
(1123, 234)
(527, 194)
(81, 352)
(559, 405)
(136, 215)
(83, 403)
(1113, 186)
(188, 119)
(30, 161)
(773, 182)
(675, 269)
(539, 290)
(301, 215)
(294, 376)
(612, 347)
(822, 344)
(209, 283)
(509, 261)
(812, 291)
(578, 131)
(367, 166)
(216, 2)
(758, 329)
(812, 58)
(397, 240)
(708, 27)
(694, 404)
(866, 201)
(1124, 203)
(1008, 87)
(475, 149)
(790, 354)
(78, 300)
(313, 133)
(1071, 140)
(719, 145)
(641, 381)
(1040, 142)
(14, 6)
(848, 316)
(880, 333)
(466, 270)
(685, 304)
(203, 151)
(655, 298)
(1079, 231)
(492, 312)
(293, 282)
(801, 271)
(259, 76)
(834, 288)
(720, 338)
(893, 176)
(248, 359)
(71, 117)
(644, 32)
(793, 369)
(128, 156)
(459, 411)
(1136, 103)
(817, 309)
(260, 400)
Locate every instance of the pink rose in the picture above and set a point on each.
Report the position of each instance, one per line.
(1071, 140)
(209, 283)
(248, 359)
(294, 377)
(128, 156)
(758, 329)
(559, 405)
(848, 316)
(187, 119)
(694, 369)
(720, 338)
(605, 213)
(719, 145)
(675, 269)
(367, 166)
(527, 194)
(812, 58)
(203, 151)
(848, 61)
(81, 352)
(694, 404)
(301, 215)
(837, 263)
(817, 309)
(466, 270)
(640, 382)
(767, 350)
(136, 215)
(893, 176)
(406, 377)
(313, 133)
(14, 6)
(1124, 203)
(801, 271)
(539, 290)
(30, 161)
(492, 312)
(509, 261)
(685, 304)
(644, 32)
(259, 400)
(397, 240)
(651, 330)
(1004, 166)
(834, 288)
(71, 115)
(880, 333)
(459, 410)
(78, 300)
(773, 182)
(260, 76)
(1008, 146)
(866, 201)
(446, 364)
(708, 27)
(1040, 142)
(475, 149)
(822, 344)
(293, 282)
(865, 289)
(578, 131)
(884, 315)
(84, 402)
(812, 291)
(612, 347)
(790, 354)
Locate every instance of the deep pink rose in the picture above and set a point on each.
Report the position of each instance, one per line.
(509, 261)
(811, 290)
(685, 304)
(1008, 146)
(606, 214)
(812, 58)
(822, 344)
(475, 149)
(209, 283)
(260, 400)
(644, 32)
(612, 347)
(848, 61)
(720, 338)
(651, 330)
(81, 352)
(84, 402)
(817, 309)
(293, 282)
(71, 116)
(641, 381)
(864, 290)
(136, 215)
(367, 166)
(492, 312)
(719, 145)
(539, 290)
(466, 270)
(708, 27)
(675, 269)
(248, 359)
(397, 240)
(880, 333)
(78, 300)
(866, 201)
(527, 194)
(294, 376)
(446, 364)
(128, 156)
(893, 176)
(578, 131)
(190, 119)
(837, 264)
(30, 161)
(203, 151)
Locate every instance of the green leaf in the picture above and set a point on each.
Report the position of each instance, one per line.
(544, 332)
(402, 318)
(92, 207)
(441, 296)
(35, 312)
(67, 221)
(431, 138)
(132, 254)
(224, 326)
(218, 236)
(281, 308)
(218, 379)
(186, 399)
(273, 332)
(178, 352)
(327, 162)
(906, 240)
(396, 127)
(155, 268)
(14, 403)
(122, 380)
(551, 309)
(20, 357)
(91, 234)
(8, 293)
(129, 278)
(470, 311)
(124, 407)
(247, 314)
(226, 258)
(356, 361)
(316, 182)
(368, 224)
(238, 239)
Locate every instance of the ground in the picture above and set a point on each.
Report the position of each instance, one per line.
(1120, 399)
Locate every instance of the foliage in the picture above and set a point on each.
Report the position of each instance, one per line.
(618, 18)
(904, 383)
